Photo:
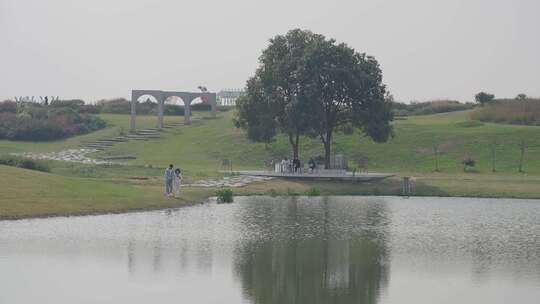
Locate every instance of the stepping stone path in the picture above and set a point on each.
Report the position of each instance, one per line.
(102, 144)
(143, 135)
(231, 182)
(71, 155)
(79, 155)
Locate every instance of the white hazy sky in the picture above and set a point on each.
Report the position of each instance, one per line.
(428, 49)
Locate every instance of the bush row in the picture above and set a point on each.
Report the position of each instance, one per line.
(520, 112)
(429, 107)
(31, 121)
(25, 163)
(123, 106)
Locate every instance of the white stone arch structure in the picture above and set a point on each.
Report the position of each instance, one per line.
(161, 96)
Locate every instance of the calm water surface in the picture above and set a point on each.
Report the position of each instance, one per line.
(281, 250)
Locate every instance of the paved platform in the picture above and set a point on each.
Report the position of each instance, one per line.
(359, 177)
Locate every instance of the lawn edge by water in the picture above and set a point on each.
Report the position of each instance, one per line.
(155, 200)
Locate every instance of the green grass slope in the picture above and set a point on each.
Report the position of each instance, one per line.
(81, 189)
(27, 193)
(200, 147)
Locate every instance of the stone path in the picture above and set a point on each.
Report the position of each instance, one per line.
(323, 174)
(71, 155)
(142, 134)
(80, 155)
(232, 182)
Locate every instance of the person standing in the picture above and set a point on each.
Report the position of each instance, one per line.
(296, 165)
(284, 165)
(177, 182)
(312, 165)
(169, 177)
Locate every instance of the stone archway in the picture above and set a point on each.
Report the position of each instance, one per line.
(161, 96)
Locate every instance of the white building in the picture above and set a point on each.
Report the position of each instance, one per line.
(228, 97)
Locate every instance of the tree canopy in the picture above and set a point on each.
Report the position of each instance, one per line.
(483, 98)
(308, 85)
(521, 96)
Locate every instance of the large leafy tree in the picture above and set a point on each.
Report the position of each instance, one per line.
(275, 95)
(309, 85)
(345, 87)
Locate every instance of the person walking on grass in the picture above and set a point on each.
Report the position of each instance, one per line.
(177, 182)
(169, 178)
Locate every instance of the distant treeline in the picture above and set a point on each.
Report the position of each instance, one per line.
(512, 111)
(34, 121)
(429, 107)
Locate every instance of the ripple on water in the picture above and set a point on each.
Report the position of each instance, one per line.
(348, 247)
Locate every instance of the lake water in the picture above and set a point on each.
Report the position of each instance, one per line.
(281, 250)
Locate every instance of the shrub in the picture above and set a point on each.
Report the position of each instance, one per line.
(224, 108)
(272, 192)
(8, 106)
(469, 124)
(429, 107)
(313, 192)
(224, 195)
(115, 106)
(173, 110)
(291, 192)
(511, 111)
(90, 109)
(468, 162)
(25, 163)
(123, 106)
(347, 129)
(70, 103)
(94, 123)
(201, 107)
(36, 122)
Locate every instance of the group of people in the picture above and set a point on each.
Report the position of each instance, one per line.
(288, 165)
(293, 165)
(173, 181)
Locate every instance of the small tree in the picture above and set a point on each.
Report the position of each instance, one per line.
(483, 98)
(493, 148)
(468, 162)
(436, 152)
(522, 148)
(521, 96)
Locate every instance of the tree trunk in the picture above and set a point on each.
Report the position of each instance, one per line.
(294, 140)
(436, 152)
(522, 155)
(327, 150)
(493, 154)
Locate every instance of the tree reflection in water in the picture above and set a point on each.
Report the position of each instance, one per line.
(312, 251)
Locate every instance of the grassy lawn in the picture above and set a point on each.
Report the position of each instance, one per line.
(198, 149)
(31, 193)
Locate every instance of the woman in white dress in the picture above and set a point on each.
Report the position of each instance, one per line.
(177, 181)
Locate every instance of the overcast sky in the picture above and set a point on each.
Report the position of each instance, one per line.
(428, 49)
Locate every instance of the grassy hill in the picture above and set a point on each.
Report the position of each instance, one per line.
(200, 147)
(78, 189)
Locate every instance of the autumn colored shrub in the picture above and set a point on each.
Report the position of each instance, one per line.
(510, 111)
(36, 122)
